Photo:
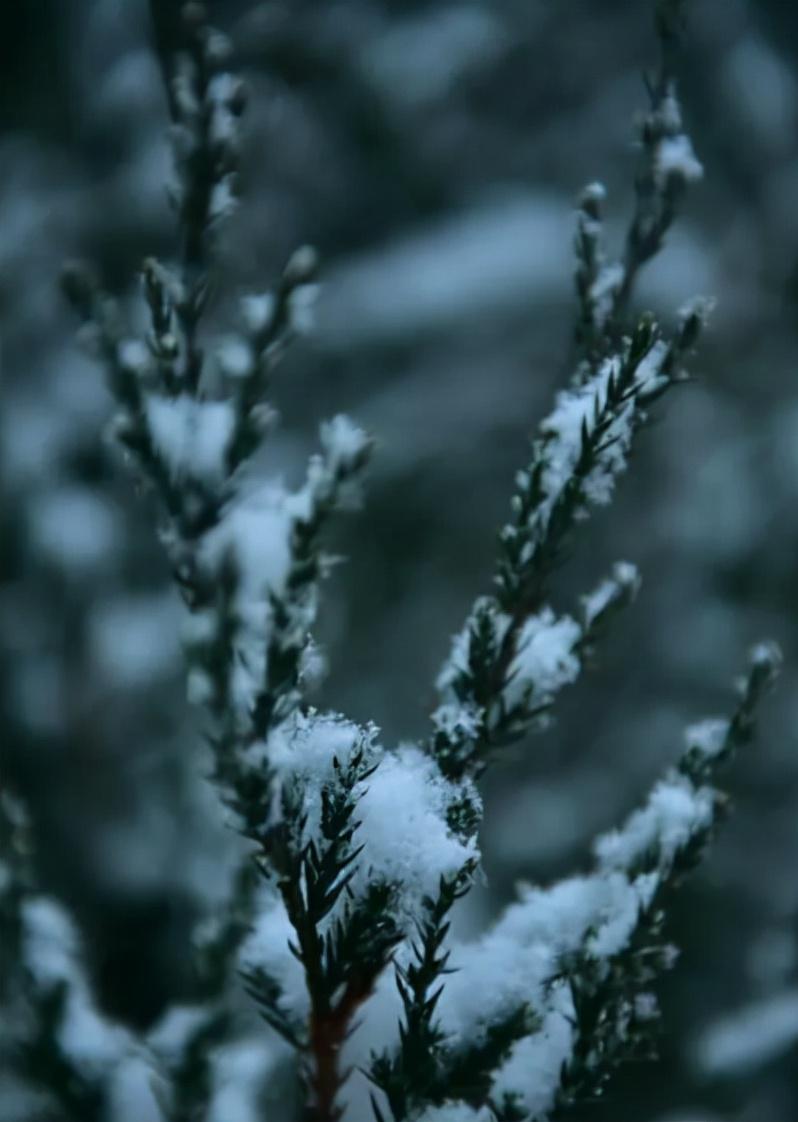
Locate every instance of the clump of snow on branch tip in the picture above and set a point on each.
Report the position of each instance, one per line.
(622, 585)
(311, 750)
(405, 813)
(334, 474)
(485, 613)
(768, 656)
(546, 658)
(519, 957)
(191, 436)
(675, 158)
(707, 737)
(675, 813)
(577, 411)
(344, 443)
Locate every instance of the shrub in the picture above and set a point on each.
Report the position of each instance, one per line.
(357, 853)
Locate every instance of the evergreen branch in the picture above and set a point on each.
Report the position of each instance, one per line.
(102, 333)
(205, 105)
(266, 992)
(330, 476)
(270, 325)
(613, 1012)
(667, 165)
(412, 1076)
(660, 183)
(543, 515)
(191, 450)
(581, 449)
(343, 957)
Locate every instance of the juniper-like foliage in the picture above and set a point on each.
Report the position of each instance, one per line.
(338, 924)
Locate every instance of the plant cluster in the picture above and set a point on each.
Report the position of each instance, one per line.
(357, 853)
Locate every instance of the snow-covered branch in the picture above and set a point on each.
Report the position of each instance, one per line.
(358, 852)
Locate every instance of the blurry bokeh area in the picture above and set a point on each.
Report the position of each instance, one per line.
(433, 151)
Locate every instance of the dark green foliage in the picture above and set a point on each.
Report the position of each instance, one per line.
(417, 1072)
(314, 874)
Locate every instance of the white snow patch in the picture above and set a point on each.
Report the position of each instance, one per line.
(535, 1064)
(545, 660)
(191, 436)
(403, 825)
(674, 813)
(708, 736)
(675, 157)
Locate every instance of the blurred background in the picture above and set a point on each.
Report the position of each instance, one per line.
(432, 150)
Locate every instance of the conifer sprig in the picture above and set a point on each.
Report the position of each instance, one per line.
(585, 444)
(413, 1075)
(614, 1007)
(667, 165)
(342, 955)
